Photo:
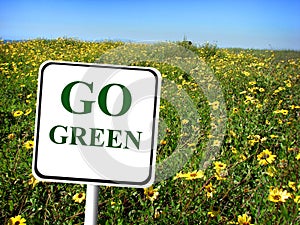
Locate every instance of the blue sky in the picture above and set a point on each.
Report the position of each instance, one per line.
(247, 24)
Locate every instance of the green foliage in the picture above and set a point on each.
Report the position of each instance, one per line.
(257, 87)
(208, 50)
(188, 45)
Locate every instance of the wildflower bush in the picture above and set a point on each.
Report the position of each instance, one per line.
(254, 179)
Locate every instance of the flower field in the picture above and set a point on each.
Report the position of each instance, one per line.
(254, 178)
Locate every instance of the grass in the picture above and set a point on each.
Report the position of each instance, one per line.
(261, 91)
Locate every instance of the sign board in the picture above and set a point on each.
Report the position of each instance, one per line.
(96, 124)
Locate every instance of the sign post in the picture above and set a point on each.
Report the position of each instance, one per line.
(91, 205)
(96, 125)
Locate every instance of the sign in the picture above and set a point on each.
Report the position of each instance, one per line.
(96, 124)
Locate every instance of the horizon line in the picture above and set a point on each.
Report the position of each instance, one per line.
(198, 44)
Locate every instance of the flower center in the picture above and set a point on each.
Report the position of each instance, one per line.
(276, 197)
(265, 156)
(150, 193)
(17, 223)
(80, 195)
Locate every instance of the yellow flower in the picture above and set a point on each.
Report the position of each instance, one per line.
(279, 89)
(244, 219)
(210, 136)
(263, 139)
(215, 211)
(184, 121)
(221, 174)
(27, 111)
(282, 111)
(151, 193)
(32, 181)
(112, 203)
(163, 142)
(235, 110)
(219, 166)
(259, 106)
(29, 144)
(273, 136)
(191, 144)
(271, 171)
(278, 195)
(291, 149)
(11, 136)
(232, 133)
(79, 197)
(194, 175)
(247, 102)
(252, 142)
(265, 157)
(242, 157)
(298, 156)
(252, 82)
(179, 175)
(292, 185)
(215, 105)
(233, 150)
(216, 143)
(256, 137)
(17, 220)
(209, 190)
(246, 73)
(157, 213)
(18, 113)
(297, 199)
(250, 98)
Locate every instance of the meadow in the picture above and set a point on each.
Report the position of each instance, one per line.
(253, 180)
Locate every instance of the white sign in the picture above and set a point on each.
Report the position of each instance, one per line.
(96, 124)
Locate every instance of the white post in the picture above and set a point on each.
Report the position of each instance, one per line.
(91, 205)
